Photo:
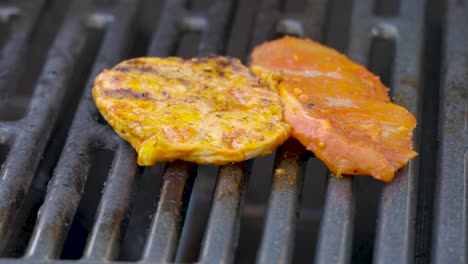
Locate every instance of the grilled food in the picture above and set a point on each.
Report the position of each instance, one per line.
(338, 109)
(210, 110)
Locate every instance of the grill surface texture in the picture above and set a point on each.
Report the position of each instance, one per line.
(70, 188)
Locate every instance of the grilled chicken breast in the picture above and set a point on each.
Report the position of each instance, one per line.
(209, 110)
(338, 109)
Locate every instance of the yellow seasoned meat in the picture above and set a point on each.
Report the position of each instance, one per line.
(208, 110)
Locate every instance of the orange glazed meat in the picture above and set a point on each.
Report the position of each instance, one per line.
(338, 109)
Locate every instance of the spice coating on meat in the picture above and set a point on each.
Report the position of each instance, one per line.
(338, 109)
(208, 110)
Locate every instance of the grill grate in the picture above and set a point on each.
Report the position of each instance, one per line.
(105, 32)
(397, 208)
(451, 213)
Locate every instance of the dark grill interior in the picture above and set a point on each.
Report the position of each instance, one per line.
(70, 188)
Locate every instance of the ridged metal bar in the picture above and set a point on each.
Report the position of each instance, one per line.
(222, 232)
(277, 241)
(8, 130)
(213, 38)
(279, 231)
(114, 209)
(195, 221)
(33, 131)
(65, 189)
(272, 21)
(163, 236)
(336, 229)
(395, 229)
(335, 237)
(176, 20)
(450, 241)
(164, 233)
(397, 210)
(211, 24)
(397, 215)
(21, 18)
(62, 199)
(168, 29)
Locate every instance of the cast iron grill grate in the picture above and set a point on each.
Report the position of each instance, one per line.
(54, 143)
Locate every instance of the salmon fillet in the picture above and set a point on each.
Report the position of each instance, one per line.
(208, 110)
(338, 109)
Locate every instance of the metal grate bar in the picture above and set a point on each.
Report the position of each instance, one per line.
(114, 208)
(222, 233)
(32, 133)
(56, 214)
(283, 206)
(397, 210)
(279, 231)
(335, 235)
(115, 205)
(213, 37)
(268, 13)
(168, 29)
(20, 18)
(164, 234)
(271, 21)
(451, 224)
(336, 231)
(196, 215)
(211, 26)
(395, 229)
(396, 226)
(70, 175)
(8, 130)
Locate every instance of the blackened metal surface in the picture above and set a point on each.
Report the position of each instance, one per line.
(395, 234)
(197, 214)
(114, 209)
(65, 189)
(222, 232)
(27, 137)
(273, 22)
(164, 233)
(211, 25)
(198, 28)
(283, 206)
(274, 19)
(19, 20)
(451, 208)
(167, 31)
(336, 232)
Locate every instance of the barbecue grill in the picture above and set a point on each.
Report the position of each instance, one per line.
(70, 189)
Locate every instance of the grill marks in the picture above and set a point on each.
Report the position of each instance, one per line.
(136, 65)
(137, 68)
(127, 92)
(216, 97)
(219, 70)
(223, 67)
